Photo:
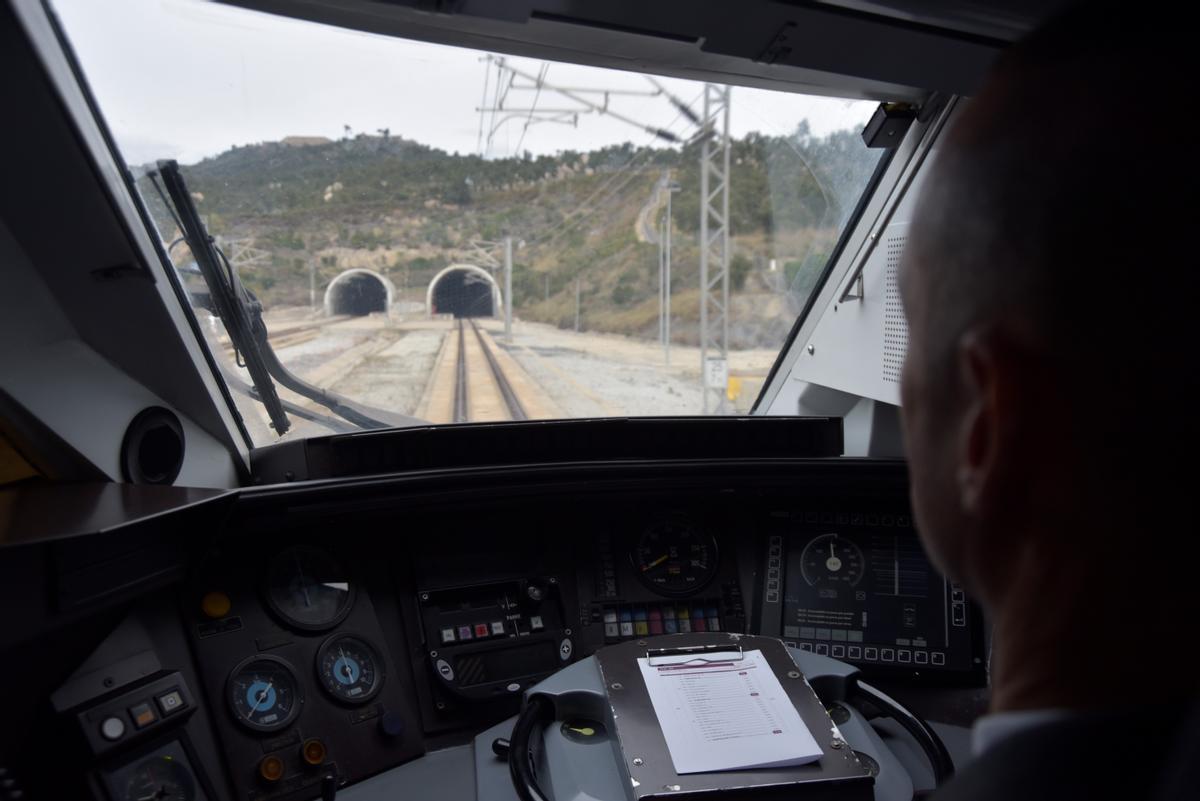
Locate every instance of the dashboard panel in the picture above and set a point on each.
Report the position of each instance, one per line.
(854, 584)
(297, 664)
(652, 569)
(322, 635)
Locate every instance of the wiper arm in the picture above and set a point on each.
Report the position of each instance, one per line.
(332, 423)
(251, 337)
(224, 293)
(361, 415)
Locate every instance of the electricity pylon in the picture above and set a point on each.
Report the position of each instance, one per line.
(714, 246)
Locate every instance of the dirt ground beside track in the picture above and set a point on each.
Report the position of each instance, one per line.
(387, 362)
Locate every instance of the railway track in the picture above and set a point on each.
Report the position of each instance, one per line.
(476, 360)
(476, 381)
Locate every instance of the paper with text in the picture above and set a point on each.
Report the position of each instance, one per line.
(720, 712)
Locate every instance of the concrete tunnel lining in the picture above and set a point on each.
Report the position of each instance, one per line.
(464, 290)
(359, 292)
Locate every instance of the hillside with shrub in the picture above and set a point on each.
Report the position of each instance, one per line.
(407, 210)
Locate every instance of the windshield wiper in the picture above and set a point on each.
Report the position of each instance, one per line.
(332, 423)
(225, 293)
(241, 313)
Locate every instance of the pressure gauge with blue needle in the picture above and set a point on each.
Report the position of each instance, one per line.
(264, 693)
(349, 669)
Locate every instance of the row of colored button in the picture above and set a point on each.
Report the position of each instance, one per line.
(481, 631)
(873, 654)
(143, 714)
(641, 621)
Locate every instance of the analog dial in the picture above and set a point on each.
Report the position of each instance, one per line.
(308, 589)
(160, 778)
(675, 558)
(264, 693)
(349, 669)
(830, 560)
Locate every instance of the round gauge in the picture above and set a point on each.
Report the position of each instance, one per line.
(264, 693)
(349, 669)
(831, 560)
(675, 558)
(160, 778)
(308, 589)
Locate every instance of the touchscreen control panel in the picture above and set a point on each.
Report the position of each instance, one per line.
(857, 586)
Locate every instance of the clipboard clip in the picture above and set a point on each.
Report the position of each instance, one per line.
(698, 653)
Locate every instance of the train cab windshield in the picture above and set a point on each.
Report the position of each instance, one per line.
(597, 242)
(578, 400)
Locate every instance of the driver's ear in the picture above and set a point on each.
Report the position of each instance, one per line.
(982, 445)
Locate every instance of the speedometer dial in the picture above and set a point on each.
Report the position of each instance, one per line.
(264, 693)
(675, 558)
(831, 560)
(349, 669)
(308, 589)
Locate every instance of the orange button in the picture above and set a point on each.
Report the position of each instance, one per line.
(313, 751)
(143, 715)
(215, 605)
(271, 768)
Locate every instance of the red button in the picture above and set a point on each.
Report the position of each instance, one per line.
(481, 630)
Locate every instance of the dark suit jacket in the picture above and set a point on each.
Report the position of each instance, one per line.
(1123, 755)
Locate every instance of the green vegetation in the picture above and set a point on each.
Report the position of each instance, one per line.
(408, 210)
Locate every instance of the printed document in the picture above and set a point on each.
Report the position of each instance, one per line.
(726, 711)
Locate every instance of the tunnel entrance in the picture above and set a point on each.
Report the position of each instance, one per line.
(464, 290)
(358, 293)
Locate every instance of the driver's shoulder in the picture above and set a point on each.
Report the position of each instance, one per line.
(1120, 754)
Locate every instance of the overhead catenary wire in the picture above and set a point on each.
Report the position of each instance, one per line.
(576, 94)
(553, 233)
(624, 174)
(533, 106)
(487, 74)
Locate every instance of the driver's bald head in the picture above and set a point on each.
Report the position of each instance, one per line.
(1048, 389)
(1055, 210)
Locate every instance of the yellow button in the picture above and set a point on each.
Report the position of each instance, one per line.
(215, 605)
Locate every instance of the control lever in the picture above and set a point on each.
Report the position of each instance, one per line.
(329, 787)
(501, 747)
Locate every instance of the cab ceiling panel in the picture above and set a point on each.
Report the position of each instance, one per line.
(882, 51)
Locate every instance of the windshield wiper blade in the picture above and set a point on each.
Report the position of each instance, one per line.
(251, 337)
(223, 292)
(360, 414)
(332, 423)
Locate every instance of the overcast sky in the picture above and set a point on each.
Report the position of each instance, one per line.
(187, 79)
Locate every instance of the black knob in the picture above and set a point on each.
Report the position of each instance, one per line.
(391, 724)
(534, 592)
(328, 787)
(500, 747)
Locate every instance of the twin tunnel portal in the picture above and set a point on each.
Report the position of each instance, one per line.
(461, 290)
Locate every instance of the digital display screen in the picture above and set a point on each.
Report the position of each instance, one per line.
(871, 597)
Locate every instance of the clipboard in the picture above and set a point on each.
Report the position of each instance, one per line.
(646, 760)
